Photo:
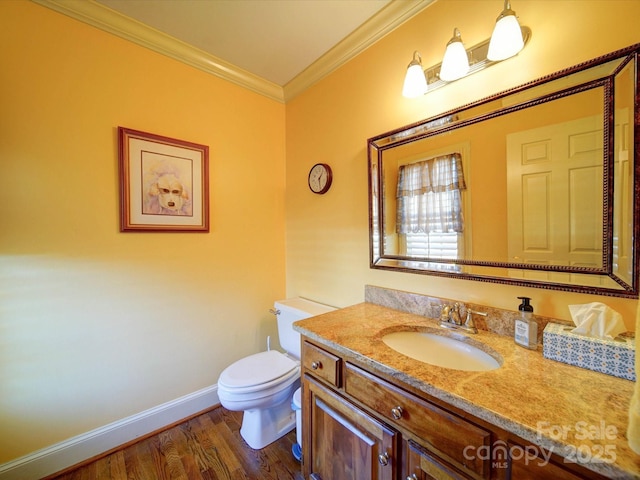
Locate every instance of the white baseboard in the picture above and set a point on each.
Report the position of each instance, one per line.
(59, 456)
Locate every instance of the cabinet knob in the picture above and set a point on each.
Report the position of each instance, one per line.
(413, 476)
(383, 459)
(396, 412)
(316, 365)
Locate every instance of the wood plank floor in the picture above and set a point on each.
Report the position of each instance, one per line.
(208, 446)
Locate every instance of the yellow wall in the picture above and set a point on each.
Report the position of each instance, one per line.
(327, 236)
(97, 325)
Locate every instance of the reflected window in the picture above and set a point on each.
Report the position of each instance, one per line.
(430, 219)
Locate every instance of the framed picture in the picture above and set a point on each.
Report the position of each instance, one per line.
(164, 183)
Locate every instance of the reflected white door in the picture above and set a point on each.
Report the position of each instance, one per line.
(554, 192)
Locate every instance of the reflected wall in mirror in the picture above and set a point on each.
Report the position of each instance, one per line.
(535, 186)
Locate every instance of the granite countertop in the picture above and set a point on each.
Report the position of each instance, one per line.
(577, 413)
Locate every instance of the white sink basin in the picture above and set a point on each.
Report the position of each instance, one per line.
(441, 351)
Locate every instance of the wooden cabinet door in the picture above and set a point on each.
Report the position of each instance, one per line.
(342, 442)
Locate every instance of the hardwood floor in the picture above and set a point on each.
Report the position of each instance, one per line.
(208, 446)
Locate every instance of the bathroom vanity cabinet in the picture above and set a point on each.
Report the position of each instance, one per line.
(359, 423)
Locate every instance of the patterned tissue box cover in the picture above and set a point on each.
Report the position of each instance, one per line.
(612, 357)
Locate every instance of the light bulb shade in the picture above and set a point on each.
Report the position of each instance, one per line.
(455, 63)
(415, 81)
(506, 40)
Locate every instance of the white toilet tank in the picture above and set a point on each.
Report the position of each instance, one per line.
(290, 311)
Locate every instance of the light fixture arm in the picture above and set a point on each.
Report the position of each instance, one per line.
(417, 59)
(506, 11)
(457, 37)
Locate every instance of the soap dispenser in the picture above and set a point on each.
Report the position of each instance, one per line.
(526, 329)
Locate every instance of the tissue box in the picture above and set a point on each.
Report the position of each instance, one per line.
(612, 357)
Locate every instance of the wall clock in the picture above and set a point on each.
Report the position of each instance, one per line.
(320, 178)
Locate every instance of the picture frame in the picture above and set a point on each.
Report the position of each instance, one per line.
(164, 183)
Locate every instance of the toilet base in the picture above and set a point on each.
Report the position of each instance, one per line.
(260, 427)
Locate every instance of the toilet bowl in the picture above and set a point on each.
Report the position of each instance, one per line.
(262, 385)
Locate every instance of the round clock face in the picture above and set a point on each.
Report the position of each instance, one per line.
(320, 178)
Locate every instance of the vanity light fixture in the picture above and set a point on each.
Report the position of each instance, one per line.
(415, 83)
(507, 40)
(455, 63)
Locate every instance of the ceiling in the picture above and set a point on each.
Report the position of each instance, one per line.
(275, 47)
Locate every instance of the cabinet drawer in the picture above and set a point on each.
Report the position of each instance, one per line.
(321, 363)
(441, 430)
(425, 465)
(524, 463)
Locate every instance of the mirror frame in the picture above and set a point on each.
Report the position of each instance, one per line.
(487, 271)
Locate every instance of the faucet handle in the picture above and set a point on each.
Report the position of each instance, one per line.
(469, 312)
(445, 313)
(469, 324)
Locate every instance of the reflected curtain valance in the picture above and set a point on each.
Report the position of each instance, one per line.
(429, 197)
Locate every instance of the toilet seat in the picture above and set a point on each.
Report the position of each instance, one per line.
(258, 372)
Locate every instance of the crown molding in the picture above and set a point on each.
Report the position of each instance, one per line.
(108, 20)
(104, 18)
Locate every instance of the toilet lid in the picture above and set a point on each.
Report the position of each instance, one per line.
(258, 369)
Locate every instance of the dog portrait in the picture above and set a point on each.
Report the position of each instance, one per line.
(164, 183)
(167, 186)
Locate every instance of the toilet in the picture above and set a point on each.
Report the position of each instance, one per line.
(262, 385)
